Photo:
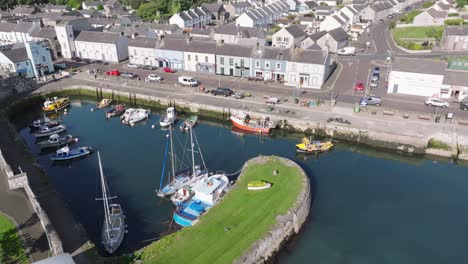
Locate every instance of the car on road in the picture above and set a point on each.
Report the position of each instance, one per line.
(128, 75)
(370, 100)
(188, 81)
(359, 87)
(149, 67)
(222, 91)
(113, 73)
(374, 84)
(436, 102)
(380, 21)
(376, 70)
(464, 105)
(169, 70)
(154, 78)
(375, 77)
(132, 66)
(238, 95)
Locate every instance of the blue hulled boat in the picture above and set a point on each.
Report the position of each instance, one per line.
(66, 154)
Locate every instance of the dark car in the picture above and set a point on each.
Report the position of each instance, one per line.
(148, 67)
(128, 75)
(464, 105)
(370, 100)
(222, 91)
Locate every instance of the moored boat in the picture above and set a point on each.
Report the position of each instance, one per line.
(169, 118)
(103, 103)
(207, 193)
(133, 116)
(116, 111)
(245, 122)
(189, 123)
(182, 195)
(55, 141)
(66, 153)
(55, 104)
(308, 146)
(48, 131)
(113, 228)
(37, 124)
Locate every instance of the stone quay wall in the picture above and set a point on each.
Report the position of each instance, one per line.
(16, 181)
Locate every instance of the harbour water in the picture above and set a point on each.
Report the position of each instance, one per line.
(369, 206)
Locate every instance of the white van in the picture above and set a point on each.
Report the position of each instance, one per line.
(188, 81)
(347, 51)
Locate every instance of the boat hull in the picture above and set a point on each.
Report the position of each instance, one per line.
(113, 243)
(74, 154)
(262, 130)
(51, 132)
(68, 140)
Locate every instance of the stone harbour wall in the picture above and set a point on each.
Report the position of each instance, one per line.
(287, 225)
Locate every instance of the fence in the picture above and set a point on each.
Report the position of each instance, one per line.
(16, 181)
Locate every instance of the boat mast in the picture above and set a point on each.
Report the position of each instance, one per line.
(164, 163)
(193, 155)
(172, 152)
(104, 196)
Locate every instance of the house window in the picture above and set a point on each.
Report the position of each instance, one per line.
(278, 38)
(267, 65)
(196, 58)
(27, 64)
(242, 63)
(278, 66)
(43, 58)
(222, 71)
(188, 57)
(257, 64)
(206, 58)
(221, 61)
(286, 39)
(231, 61)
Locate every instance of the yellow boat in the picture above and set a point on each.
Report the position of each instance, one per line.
(55, 104)
(309, 146)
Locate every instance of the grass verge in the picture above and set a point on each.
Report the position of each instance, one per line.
(247, 214)
(417, 32)
(11, 247)
(437, 144)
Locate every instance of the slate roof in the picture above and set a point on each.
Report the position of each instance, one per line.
(45, 33)
(165, 27)
(295, 31)
(271, 53)
(310, 4)
(213, 7)
(242, 4)
(23, 10)
(437, 14)
(201, 46)
(93, 3)
(16, 55)
(309, 56)
(317, 35)
(142, 42)
(185, 16)
(456, 31)
(200, 31)
(245, 32)
(343, 15)
(315, 46)
(459, 78)
(171, 44)
(444, 6)
(337, 18)
(23, 27)
(55, 7)
(338, 34)
(233, 50)
(7, 27)
(425, 66)
(98, 37)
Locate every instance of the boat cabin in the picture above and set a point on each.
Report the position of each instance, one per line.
(206, 190)
(54, 138)
(170, 112)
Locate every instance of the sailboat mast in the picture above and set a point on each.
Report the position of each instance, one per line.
(164, 162)
(104, 195)
(172, 152)
(193, 155)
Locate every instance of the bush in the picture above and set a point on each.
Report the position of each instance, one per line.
(437, 144)
(454, 22)
(453, 14)
(408, 18)
(427, 4)
(392, 25)
(412, 46)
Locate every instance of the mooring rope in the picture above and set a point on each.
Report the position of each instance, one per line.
(235, 173)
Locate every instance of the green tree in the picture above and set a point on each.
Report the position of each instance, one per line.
(149, 11)
(135, 4)
(323, 4)
(100, 7)
(392, 25)
(461, 3)
(175, 7)
(74, 4)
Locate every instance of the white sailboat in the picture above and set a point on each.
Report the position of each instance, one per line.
(113, 228)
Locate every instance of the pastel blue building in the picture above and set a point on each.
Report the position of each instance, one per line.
(269, 63)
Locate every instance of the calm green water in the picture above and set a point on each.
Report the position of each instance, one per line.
(369, 206)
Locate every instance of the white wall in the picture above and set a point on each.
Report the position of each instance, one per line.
(312, 74)
(415, 83)
(95, 51)
(191, 65)
(143, 56)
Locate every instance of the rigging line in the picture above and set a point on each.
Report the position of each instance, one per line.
(164, 162)
(199, 149)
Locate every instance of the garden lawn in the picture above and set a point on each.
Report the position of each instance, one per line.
(414, 32)
(247, 214)
(11, 248)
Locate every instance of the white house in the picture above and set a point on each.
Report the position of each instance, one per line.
(351, 13)
(199, 56)
(377, 11)
(142, 51)
(263, 16)
(290, 36)
(197, 17)
(333, 40)
(333, 22)
(321, 12)
(307, 68)
(421, 77)
(20, 32)
(430, 17)
(66, 33)
(105, 46)
(31, 59)
(232, 34)
(455, 85)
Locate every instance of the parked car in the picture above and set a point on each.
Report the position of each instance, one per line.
(464, 105)
(149, 67)
(222, 91)
(359, 87)
(436, 102)
(188, 81)
(371, 100)
(113, 73)
(77, 59)
(376, 70)
(128, 75)
(375, 77)
(154, 78)
(238, 95)
(374, 84)
(347, 51)
(132, 65)
(380, 21)
(169, 70)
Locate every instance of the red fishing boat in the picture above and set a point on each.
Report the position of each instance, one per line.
(245, 122)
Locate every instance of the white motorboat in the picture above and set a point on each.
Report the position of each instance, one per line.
(169, 118)
(133, 116)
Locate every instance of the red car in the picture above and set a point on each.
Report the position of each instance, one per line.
(113, 73)
(169, 70)
(359, 87)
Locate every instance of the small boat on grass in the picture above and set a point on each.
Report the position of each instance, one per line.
(245, 122)
(66, 153)
(55, 104)
(48, 131)
(103, 103)
(189, 123)
(116, 111)
(133, 116)
(169, 118)
(258, 185)
(55, 141)
(314, 147)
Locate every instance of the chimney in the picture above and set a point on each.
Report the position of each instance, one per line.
(122, 34)
(134, 35)
(220, 42)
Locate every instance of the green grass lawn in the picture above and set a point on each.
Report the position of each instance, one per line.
(11, 248)
(415, 32)
(247, 214)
